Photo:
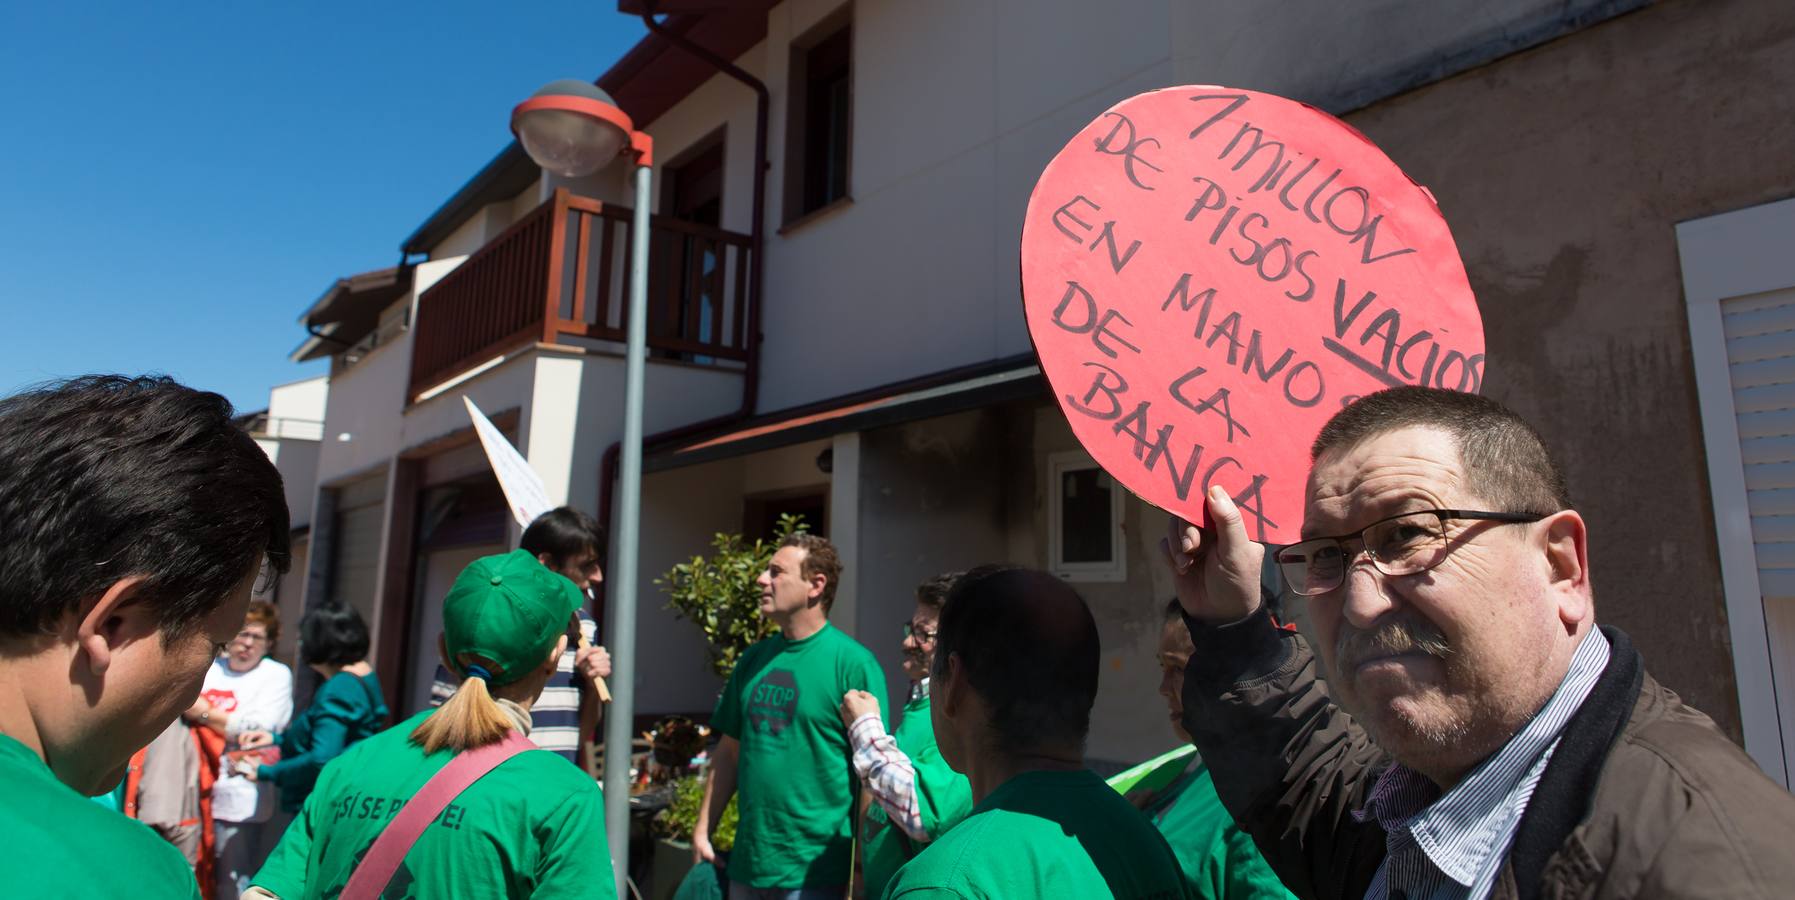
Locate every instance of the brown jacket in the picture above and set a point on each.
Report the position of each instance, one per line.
(1644, 797)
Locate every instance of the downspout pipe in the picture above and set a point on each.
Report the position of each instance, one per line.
(607, 477)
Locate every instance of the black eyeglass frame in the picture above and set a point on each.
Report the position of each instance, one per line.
(921, 634)
(1444, 515)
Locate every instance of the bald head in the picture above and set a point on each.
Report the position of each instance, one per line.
(1029, 648)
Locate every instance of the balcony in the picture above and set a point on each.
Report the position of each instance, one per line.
(560, 275)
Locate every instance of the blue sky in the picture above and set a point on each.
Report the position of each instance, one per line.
(178, 181)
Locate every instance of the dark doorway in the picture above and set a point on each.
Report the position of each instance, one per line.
(761, 512)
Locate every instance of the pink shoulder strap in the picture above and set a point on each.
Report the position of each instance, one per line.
(383, 858)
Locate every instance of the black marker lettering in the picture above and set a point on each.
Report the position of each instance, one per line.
(1235, 101)
(1101, 383)
(1129, 150)
(1066, 211)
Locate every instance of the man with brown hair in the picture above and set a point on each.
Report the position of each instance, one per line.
(1467, 730)
(783, 742)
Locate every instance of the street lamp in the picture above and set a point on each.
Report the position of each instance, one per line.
(573, 129)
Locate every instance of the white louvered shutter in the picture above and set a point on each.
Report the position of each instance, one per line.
(1760, 350)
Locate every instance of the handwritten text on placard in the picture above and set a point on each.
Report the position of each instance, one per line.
(1209, 274)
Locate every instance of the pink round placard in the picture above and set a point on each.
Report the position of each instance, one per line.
(1210, 273)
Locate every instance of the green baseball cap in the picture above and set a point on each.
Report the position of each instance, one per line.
(508, 610)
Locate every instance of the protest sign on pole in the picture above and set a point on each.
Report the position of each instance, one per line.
(523, 488)
(1209, 274)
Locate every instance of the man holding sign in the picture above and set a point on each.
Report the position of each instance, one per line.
(1467, 730)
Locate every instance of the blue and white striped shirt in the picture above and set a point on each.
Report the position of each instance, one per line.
(1451, 846)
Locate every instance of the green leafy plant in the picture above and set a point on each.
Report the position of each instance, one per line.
(718, 593)
(676, 821)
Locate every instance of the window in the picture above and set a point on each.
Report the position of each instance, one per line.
(818, 119)
(761, 512)
(1084, 531)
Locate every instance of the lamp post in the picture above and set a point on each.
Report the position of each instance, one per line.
(573, 129)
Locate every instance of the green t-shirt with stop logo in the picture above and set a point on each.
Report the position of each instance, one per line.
(795, 778)
(534, 826)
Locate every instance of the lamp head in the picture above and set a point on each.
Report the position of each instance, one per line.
(571, 128)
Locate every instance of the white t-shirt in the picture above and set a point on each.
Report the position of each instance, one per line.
(259, 699)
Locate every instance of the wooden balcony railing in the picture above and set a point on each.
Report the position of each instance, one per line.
(562, 271)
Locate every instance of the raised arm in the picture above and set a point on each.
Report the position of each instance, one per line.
(1290, 766)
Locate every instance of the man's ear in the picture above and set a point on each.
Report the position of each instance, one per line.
(948, 687)
(442, 655)
(554, 659)
(548, 562)
(106, 621)
(817, 583)
(1565, 541)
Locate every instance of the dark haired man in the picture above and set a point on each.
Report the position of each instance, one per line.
(783, 742)
(1476, 734)
(133, 520)
(566, 715)
(1014, 679)
(917, 797)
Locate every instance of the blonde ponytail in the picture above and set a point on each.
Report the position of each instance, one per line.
(470, 719)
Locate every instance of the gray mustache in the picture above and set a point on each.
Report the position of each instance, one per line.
(1390, 638)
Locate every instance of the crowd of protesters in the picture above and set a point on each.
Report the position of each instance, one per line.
(1460, 727)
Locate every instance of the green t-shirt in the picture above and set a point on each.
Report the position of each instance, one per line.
(1046, 834)
(943, 798)
(61, 844)
(795, 778)
(533, 826)
(1219, 860)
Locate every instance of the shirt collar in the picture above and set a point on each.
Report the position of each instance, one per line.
(919, 690)
(520, 717)
(1462, 828)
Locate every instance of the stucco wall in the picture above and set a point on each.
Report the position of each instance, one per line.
(931, 501)
(958, 104)
(958, 491)
(362, 423)
(681, 510)
(1563, 172)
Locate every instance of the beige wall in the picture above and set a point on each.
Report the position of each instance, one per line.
(957, 491)
(958, 104)
(362, 424)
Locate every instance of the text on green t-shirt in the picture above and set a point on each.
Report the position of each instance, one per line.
(533, 826)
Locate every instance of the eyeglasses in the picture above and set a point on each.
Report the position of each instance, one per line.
(1404, 544)
(250, 637)
(921, 634)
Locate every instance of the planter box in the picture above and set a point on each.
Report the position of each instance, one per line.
(672, 860)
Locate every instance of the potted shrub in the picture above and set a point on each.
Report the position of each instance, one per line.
(719, 594)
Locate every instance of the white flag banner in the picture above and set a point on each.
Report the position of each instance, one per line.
(523, 488)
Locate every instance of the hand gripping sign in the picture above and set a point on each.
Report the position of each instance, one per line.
(1209, 274)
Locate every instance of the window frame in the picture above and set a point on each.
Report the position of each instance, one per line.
(1116, 568)
(799, 167)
